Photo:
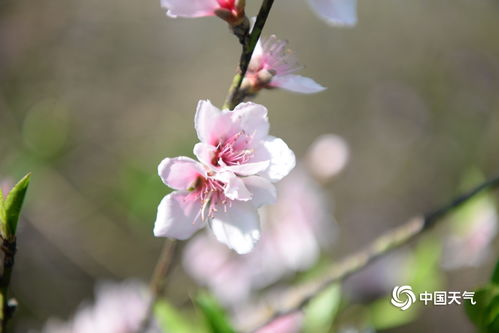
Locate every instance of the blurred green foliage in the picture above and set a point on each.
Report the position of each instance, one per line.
(171, 320)
(321, 311)
(485, 313)
(213, 313)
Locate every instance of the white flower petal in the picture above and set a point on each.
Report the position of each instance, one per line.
(256, 57)
(296, 83)
(252, 119)
(238, 228)
(235, 188)
(180, 173)
(282, 159)
(264, 192)
(190, 8)
(177, 216)
(211, 123)
(205, 153)
(249, 169)
(336, 12)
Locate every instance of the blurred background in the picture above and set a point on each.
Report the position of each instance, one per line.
(94, 94)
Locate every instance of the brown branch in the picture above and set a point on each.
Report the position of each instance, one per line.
(298, 298)
(234, 96)
(7, 305)
(158, 279)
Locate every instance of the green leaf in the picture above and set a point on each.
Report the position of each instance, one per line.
(492, 314)
(320, 313)
(214, 314)
(11, 208)
(476, 312)
(495, 275)
(2, 212)
(170, 320)
(485, 313)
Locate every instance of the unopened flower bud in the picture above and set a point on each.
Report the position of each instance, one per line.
(234, 15)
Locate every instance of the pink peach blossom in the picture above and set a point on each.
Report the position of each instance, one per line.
(273, 66)
(236, 143)
(201, 198)
(336, 12)
(239, 162)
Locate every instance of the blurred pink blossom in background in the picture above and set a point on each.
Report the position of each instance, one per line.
(469, 243)
(6, 185)
(118, 308)
(327, 156)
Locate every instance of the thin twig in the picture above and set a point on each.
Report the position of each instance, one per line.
(158, 279)
(7, 307)
(299, 297)
(233, 96)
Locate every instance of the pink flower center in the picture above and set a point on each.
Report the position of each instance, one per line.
(210, 192)
(233, 150)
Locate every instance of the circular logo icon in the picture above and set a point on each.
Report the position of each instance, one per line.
(403, 297)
